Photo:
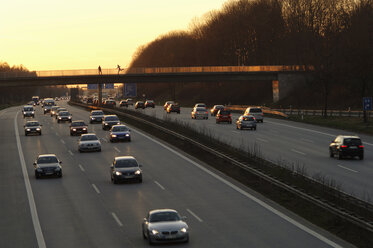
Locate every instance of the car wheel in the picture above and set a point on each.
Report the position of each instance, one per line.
(150, 239)
(58, 121)
(207, 118)
(129, 140)
(60, 175)
(339, 155)
(140, 180)
(361, 157)
(25, 134)
(254, 128)
(143, 234)
(40, 133)
(80, 151)
(37, 176)
(99, 150)
(217, 122)
(115, 181)
(331, 154)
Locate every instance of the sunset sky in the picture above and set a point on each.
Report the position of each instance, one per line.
(82, 34)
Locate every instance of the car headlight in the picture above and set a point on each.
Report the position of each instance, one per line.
(24, 113)
(113, 135)
(28, 129)
(106, 124)
(118, 173)
(74, 129)
(32, 112)
(118, 123)
(127, 134)
(69, 117)
(59, 118)
(84, 128)
(38, 129)
(154, 232)
(138, 172)
(184, 230)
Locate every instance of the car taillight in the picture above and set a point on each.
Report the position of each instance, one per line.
(343, 146)
(207, 112)
(229, 115)
(361, 146)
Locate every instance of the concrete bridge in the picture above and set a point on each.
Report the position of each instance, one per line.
(284, 78)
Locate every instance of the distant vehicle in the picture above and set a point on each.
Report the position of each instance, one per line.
(167, 103)
(32, 127)
(54, 110)
(200, 112)
(110, 103)
(346, 146)
(90, 100)
(223, 116)
(109, 121)
(64, 116)
(59, 109)
(35, 99)
(200, 105)
(96, 116)
(215, 109)
(139, 104)
(89, 142)
(47, 165)
(165, 225)
(125, 168)
(129, 101)
(149, 104)
(78, 127)
(28, 111)
(123, 103)
(173, 108)
(246, 121)
(56, 99)
(120, 132)
(48, 103)
(256, 112)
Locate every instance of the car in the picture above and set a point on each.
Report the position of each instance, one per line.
(96, 116)
(59, 110)
(28, 111)
(246, 121)
(54, 110)
(200, 112)
(257, 112)
(47, 165)
(56, 99)
(149, 104)
(125, 168)
(223, 115)
(200, 105)
(215, 109)
(120, 132)
(129, 101)
(110, 103)
(89, 142)
(64, 116)
(173, 108)
(346, 146)
(139, 104)
(167, 103)
(47, 104)
(123, 103)
(109, 121)
(78, 127)
(32, 127)
(35, 100)
(164, 225)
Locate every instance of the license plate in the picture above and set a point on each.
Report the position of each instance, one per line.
(129, 176)
(48, 173)
(353, 147)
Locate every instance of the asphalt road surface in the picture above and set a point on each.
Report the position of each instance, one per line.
(84, 209)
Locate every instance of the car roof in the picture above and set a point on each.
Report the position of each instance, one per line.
(32, 121)
(88, 134)
(124, 158)
(139, 101)
(349, 136)
(47, 155)
(110, 116)
(28, 106)
(247, 116)
(161, 211)
(119, 125)
(96, 111)
(78, 121)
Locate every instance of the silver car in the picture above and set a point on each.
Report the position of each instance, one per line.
(246, 121)
(89, 142)
(96, 116)
(257, 112)
(32, 127)
(200, 112)
(28, 111)
(47, 165)
(162, 225)
(64, 116)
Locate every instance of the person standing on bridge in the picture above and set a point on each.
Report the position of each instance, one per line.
(99, 70)
(119, 69)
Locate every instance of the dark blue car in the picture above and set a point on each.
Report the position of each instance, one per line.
(120, 132)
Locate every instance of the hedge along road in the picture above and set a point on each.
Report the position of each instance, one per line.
(83, 209)
(292, 143)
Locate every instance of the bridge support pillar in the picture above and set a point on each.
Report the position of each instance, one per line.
(286, 83)
(99, 94)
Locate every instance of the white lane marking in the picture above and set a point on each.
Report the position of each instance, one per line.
(307, 140)
(263, 140)
(117, 219)
(104, 139)
(71, 153)
(159, 185)
(30, 195)
(347, 168)
(96, 189)
(81, 168)
(299, 152)
(251, 197)
(235, 132)
(57, 134)
(62, 141)
(115, 148)
(194, 215)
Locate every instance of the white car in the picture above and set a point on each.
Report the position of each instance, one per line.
(200, 105)
(257, 112)
(96, 116)
(89, 142)
(28, 111)
(200, 113)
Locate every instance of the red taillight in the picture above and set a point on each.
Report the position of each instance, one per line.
(343, 146)
(361, 146)
(207, 112)
(229, 115)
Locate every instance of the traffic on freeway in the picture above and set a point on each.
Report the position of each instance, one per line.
(172, 197)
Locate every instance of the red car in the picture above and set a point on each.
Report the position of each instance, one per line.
(223, 116)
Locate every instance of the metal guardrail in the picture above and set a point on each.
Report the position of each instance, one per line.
(339, 212)
(308, 112)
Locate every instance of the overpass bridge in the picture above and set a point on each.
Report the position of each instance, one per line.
(283, 78)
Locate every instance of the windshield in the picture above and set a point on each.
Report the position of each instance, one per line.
(247, 118)
(32, 124)
(97, 113)
(88, 137)
(126, 163)
(120, 129)
(200, 109)
(111, 118)
(64, 113)
(224, 112)
(28, 109)
(47, 160)
(164, 216)
(255, 110)
(77, 124)
(352, 142)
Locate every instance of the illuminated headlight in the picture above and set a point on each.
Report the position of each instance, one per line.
(154, 232)
(127, 135)
(28, 129)
(38, 129)
(113, 135)
(84, 128)
(69, 117)
(118, 123)
(45, 109)
(106, 124)
(32, 112)
(59, 118)
(92, 118)
(74, 129)
(24, 113)
(118, 173)
(138, 172)
(184, 230)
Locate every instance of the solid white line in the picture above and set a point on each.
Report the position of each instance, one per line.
(30, 196)
(159, 185)
(95, 187)
(115, 148)
(253, 198)
(347, 168)
(296, 151)
(81, 168)
(195, 216)
(62, 141)
(117, 219)
(235, 132)
(71, 153)
(260, 139)
(307, 140)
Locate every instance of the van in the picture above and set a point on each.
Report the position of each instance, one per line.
(256, 112)
(28, 111)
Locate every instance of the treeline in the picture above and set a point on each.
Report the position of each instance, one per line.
(20, 95)
(333, 36)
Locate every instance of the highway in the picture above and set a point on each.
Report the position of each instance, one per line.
(290, 143)
(84, 209)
